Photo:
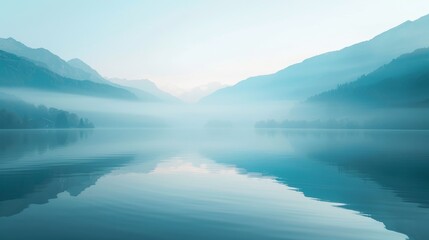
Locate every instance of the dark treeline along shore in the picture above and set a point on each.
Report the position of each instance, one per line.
(17, 114)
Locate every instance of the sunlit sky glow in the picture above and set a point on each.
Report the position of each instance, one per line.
(189, 43)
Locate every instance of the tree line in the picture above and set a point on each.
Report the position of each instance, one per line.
(16, 114)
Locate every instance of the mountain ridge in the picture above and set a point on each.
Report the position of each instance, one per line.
(403, 81)
(313, 75)
(79, 64)
(45, 58)
(19, 72)
(147, 86)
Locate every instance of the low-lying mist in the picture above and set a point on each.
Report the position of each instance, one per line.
(350, 116)
(113, 113)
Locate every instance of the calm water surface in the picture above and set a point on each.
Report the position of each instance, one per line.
(214, 184)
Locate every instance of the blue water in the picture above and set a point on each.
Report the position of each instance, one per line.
(214, 184)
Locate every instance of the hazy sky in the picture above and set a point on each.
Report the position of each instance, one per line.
(189, 43)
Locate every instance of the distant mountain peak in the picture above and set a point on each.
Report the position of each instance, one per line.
(11, 42)
(146, 86)
(19, 72)
(76, 60)
(11, 39)
(45, 58)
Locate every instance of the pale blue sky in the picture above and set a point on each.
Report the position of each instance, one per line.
(188, 43)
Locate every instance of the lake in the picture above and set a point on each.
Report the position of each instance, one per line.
(214, 184)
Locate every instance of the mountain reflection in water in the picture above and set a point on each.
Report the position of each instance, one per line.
(241, 184)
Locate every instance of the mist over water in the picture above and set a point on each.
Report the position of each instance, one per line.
(113, 113)
(228, 184)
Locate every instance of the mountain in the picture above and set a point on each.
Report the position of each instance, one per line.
(395, 96)
(199, 92)
(93, 74)
(74, 69)
(19, 72)
(404, 82)
(146, 86)
(326, 71)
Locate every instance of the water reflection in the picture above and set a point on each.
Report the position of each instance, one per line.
(17, 143)
(382, 174)
(177, 184)
(34, 169)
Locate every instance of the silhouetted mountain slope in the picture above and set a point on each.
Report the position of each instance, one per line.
(404, 82)
(326, 71)
(141, 94)
(394, 96)
(93, 74)
(145, 86)
(75, 68)
(19, 72)
(46, 59)
(146, 95)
